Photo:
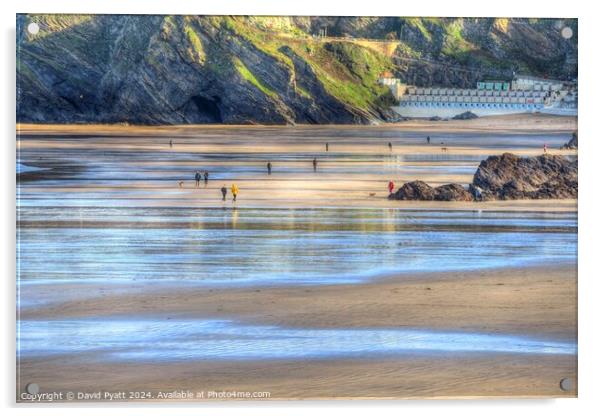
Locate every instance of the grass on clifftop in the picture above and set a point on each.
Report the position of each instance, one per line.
(266, 42)
(418, 24)
(52, 23)
(349, 72)
(462, 50)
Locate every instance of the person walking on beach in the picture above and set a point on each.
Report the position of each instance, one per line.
(391, 187)
(315, 163)
(234, 190)
(170, 143)
(545, 148)
(197, 179)
(269, 168)
(224, 192)
(327, 146)
(206, 177)
(428, 139)
(390, 147)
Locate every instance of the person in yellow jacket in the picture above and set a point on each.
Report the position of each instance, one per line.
(234, 190)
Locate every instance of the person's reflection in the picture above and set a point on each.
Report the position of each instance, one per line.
(234, 217)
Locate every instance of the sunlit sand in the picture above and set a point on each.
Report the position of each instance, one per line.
(114, 230)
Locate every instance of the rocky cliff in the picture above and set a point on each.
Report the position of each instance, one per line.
(272, 70)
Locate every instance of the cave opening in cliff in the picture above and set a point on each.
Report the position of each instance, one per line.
(208, 107)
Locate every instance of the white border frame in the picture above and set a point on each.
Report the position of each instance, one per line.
(590, 286)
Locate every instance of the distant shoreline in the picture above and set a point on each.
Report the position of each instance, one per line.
(514, 122)
(354, 173)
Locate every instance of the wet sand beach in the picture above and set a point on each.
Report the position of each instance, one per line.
(134, 166)
(312, 284)
(524, 301)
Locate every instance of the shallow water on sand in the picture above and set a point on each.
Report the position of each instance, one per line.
(113, 168)
(85, 219)
(109, 210)
(228, 155)
(224, 246)
(181, 340)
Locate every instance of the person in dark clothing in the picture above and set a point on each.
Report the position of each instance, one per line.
(170, 143)
(224, 192)
(269, 168)
(390, 147)
(197, 179)
(327, 146)
(206, 177)
(315, 163)
(428, 139)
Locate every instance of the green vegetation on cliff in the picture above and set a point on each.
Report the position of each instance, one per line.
(348, 72)
(196, 47)
(248, 75)
(264, 69)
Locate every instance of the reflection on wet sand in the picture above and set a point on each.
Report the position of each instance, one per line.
(258, 246)
(181, 340)
(105, 226)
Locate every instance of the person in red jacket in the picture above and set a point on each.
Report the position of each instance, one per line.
(391, 187)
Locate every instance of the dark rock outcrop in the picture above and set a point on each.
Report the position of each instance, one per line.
(467, 115)
(421, 191)
(511, 177)
(413, 191)
(452, 192)
(504, 177)
(571, 144)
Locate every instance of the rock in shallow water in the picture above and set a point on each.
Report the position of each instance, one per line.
(452, 192)
(504, 177)
(415, 190)
(511, 177)
(421, 191)
(467, 115)
(573, 143)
